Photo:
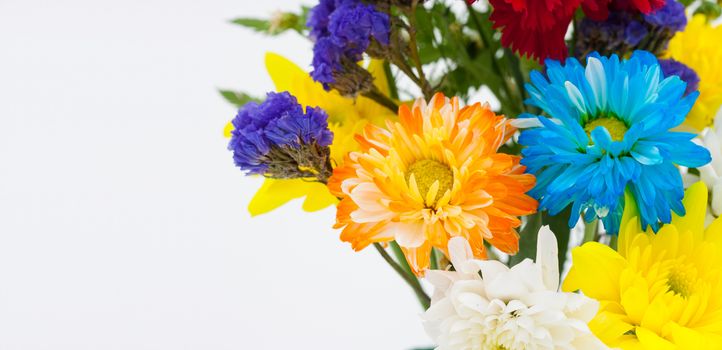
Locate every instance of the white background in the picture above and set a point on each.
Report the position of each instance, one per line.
(123, 221)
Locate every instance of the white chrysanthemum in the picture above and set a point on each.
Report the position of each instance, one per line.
(484, 305)
(711, 174)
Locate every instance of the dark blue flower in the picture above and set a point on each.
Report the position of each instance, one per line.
(619, 33)
(634, 33)
(608, 131)
(688, 75)
(275, 137)
(670, 17)
(342, 31)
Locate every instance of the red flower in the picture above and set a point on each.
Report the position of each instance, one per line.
(597, 10)
(644, 6)
(534, 28)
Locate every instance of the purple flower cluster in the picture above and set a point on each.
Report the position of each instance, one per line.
(670, 17)
(264, 131)
(620, 32)
(688, 75)
(342, 31)
(625, 31)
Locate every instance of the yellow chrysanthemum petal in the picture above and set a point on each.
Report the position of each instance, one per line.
(695, 203)
(651, 340)
(666, 293)
(698, 48)
(601, 268)
(714, 232)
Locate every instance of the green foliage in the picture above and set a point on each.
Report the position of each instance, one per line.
(710, 9)
(280, 22)
(237, 98)
(528, 239)
(559, 225)
(470, 55)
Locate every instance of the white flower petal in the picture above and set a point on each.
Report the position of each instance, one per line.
(547, 258)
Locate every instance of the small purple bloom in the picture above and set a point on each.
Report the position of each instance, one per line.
(634, 33)
(688, 75)
(279, 124)
(342, 30)
(294, 130)
(671, 17)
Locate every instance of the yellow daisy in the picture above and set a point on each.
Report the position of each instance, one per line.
(698, 47)
(346, 117)
(660, 291)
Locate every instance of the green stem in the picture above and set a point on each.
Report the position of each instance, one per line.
(486, 39)
(405, 272)
(415, 57)
(382, 99)
(590, 231)
(434, 259)
(613, 242)
(390, 81)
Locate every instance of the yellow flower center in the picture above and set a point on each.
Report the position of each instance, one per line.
(681, 280)
(427, 172)
(614, 126)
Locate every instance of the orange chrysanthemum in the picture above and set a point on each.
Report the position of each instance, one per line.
(433, 175)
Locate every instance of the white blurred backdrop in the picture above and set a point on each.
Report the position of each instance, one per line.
(123, 221)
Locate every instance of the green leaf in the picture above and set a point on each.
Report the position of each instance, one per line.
(559, 225)
(237, 98)
(710, 9)
(528, 239)
(259, 25)
(279, 23)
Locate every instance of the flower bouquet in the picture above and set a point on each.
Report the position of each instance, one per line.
(545, 165)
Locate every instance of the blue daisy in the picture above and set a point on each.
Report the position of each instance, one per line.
(607, 130)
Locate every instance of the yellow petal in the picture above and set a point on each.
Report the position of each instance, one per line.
(275, 193)
(635, 300)
(376, 68)
(652, 341)
(227, 130)
(318, 198)
(714, 232)
(656, 316)
(287, 76)
(695, 204)
(609, 327)
(595, 270)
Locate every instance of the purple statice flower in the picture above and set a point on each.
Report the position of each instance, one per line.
(326, 61)
(294, 131)
(353, 26)
(342, 31)
(688, 75)
(670, 17)
(274, 137)
(619, 33)
(634, 33)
